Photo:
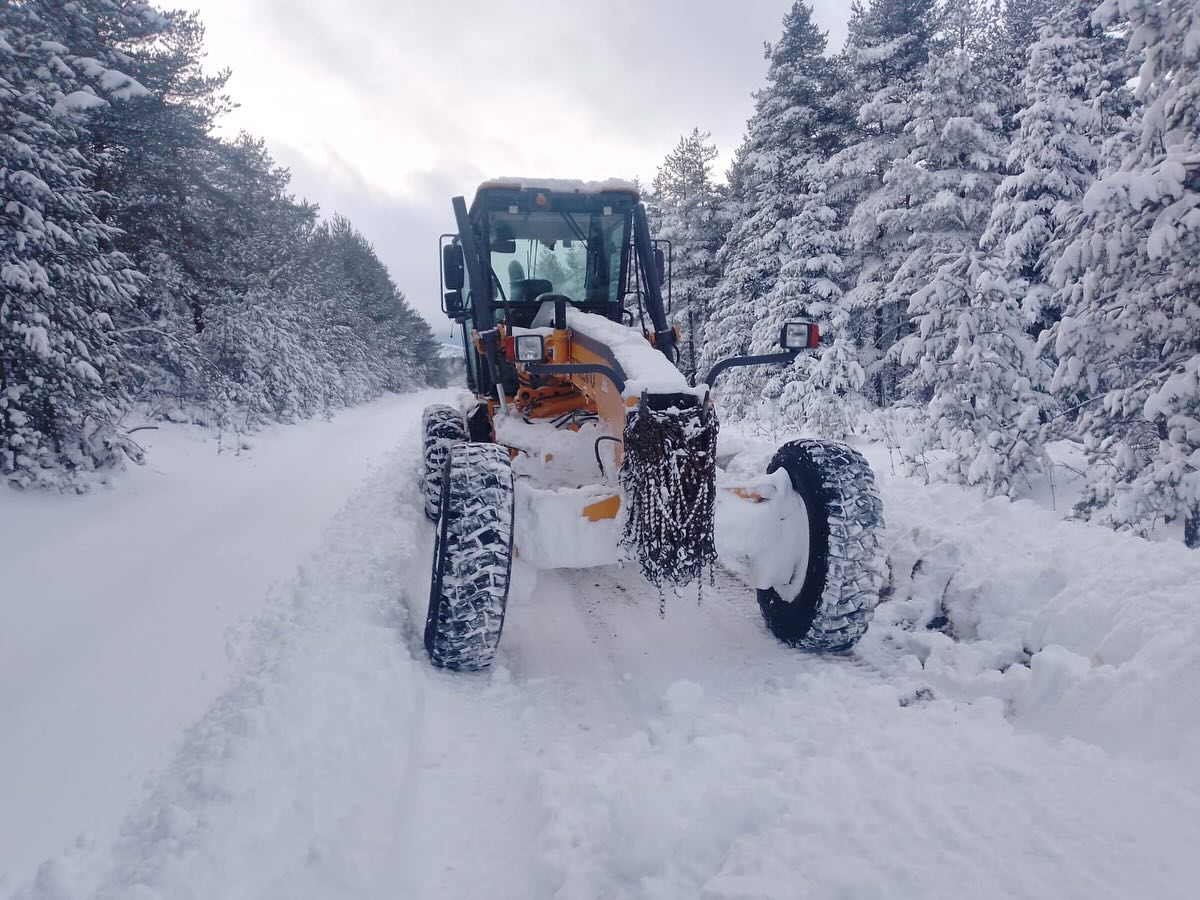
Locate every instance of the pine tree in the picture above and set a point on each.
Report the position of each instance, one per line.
(1002, 50)
(686, 202)
(1129, 340)
(795, 121)
(748, 262)
(1056, 154)
(61, 281)
(937, 198)
(970, 353)
(888, 47)
(145, 260)
(820, 392)
(977, 379)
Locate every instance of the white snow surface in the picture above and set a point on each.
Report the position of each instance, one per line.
(78, 101)
(563, 185)
(215, 671)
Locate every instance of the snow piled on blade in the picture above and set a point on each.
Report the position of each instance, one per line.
(647, 370)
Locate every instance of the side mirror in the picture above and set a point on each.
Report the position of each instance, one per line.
(453, 267)
(660, 264)
(503, 241)
(453, 304)
(797, 336)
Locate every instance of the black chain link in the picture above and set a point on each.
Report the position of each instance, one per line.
(669, 477)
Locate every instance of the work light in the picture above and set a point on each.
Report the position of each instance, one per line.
(530, 348)
(800, 336)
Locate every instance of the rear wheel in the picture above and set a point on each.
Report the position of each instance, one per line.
(442, 427)
(846, 555)
(472, 558)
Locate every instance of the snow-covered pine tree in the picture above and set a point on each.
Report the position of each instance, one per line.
(965, 26)
(1129, 339)
(687, 202)
(977, 379)
(107, 147)
(159, 149)
(61, 282)
(937, 197)
(748, 265)
(795, 120)
(1002, 50)
(398, 345)
(888, 46)
(1056, 154)
(970, 355)
(821, 392)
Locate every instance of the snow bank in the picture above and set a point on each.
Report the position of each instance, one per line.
(255, 802)
(114, 624)
(1081, 631)
(610, 752)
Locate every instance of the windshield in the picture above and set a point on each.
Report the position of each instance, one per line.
(555, 252)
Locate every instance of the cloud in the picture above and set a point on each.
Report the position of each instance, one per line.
(383, 110)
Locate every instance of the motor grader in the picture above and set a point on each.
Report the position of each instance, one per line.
(585, 444)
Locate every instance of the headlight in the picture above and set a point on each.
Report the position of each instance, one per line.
(530, 348)
(800, 336)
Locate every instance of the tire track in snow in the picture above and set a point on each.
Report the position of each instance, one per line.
(298, 780)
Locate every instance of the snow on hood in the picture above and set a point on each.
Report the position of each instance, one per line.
(646, 369)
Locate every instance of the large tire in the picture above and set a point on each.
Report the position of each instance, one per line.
(846, 554)
(442, 427)
(472, 558)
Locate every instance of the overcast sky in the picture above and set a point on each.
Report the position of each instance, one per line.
(384, 109)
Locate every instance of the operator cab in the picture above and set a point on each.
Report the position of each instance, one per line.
(542, 243)
(525, 246)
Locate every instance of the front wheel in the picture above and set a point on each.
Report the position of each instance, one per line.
(472, 558)
(846, 553)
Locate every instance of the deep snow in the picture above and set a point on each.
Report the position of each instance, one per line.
(231, 697)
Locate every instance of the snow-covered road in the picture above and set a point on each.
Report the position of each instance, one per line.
(223, 738)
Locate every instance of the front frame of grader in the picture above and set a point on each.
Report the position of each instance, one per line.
(544, 366)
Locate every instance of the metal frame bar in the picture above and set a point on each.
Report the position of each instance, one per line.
(760, 360)
(617, 378)
(664, 336)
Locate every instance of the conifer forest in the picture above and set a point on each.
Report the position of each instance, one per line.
(146, 262)
(993, 209)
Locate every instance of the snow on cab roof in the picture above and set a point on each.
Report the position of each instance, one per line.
(563, 185)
